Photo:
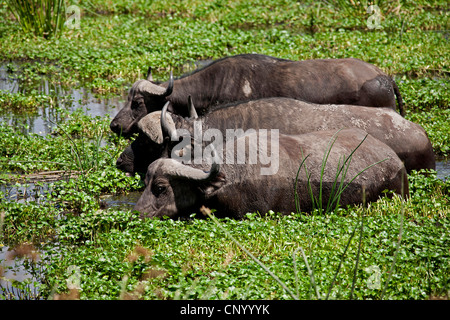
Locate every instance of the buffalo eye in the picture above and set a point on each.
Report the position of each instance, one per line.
(157, 190)
(138, 107)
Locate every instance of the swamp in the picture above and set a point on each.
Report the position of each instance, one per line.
(67, 228)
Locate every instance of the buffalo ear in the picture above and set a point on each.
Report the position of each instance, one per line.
(209, 187)
(150, 125)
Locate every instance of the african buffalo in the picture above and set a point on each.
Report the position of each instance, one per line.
(177, 190)
(253, 76)
(409, 140)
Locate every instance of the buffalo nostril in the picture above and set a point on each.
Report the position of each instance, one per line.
(113, 126)
(119, 161)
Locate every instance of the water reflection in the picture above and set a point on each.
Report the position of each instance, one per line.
(443, 170)
(43, 120)
(122, 201)
(16, 270)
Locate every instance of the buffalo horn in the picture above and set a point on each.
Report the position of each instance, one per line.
(151, 88)
(167, 129)
(195, 174)
(149, 74)
(170, 86)
(192, 111)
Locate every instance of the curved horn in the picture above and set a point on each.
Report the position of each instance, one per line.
(192, 111)
(178, 169)
(149, 74)
(167, 129)
(169, 89)
(147, 86)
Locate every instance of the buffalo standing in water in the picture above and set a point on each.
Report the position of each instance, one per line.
(177, 190)
(253, 76)
(408, 139)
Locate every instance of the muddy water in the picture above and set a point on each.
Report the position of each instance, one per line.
(42, 123)
(123, 202)
(15, 270)
(71, 99)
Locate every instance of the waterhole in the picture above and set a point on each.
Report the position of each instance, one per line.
(44, 120)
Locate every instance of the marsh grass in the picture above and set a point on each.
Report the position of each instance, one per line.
(355, 270)
(207, 212)
(43, 18)
(310, 268)
(99, 240)
(86, 150)
(337, 189)
(332, 205)
(338, 186)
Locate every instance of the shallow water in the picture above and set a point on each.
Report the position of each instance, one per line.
(122, 202)
(443, 169)
(72, 99)
(42, 122)
(44, 119)
(15, 270)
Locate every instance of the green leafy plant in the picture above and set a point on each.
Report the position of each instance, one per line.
(74, 226)
(435, 123)
(43, 18)
(338, 186)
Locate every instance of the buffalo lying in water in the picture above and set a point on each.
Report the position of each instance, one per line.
(177, 190)
(409, 140)
(253, 76)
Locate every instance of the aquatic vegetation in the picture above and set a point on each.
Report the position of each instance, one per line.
(130, 36)
(436, 124)
(90, 249)
(44, 18)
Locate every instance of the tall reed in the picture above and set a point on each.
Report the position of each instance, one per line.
(43, 18)
(338, 186)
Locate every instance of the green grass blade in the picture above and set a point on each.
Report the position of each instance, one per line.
(274, 276)
(296, 199)
(340, 263)
(310, 273)
(43, 18)
(397, 249)
(324, 162)
(358, 253)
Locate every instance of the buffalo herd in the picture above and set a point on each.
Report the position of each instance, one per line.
(254, 133)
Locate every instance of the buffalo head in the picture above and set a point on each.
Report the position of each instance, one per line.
(150, 144)
(144, 97)
(157, 135)
(174, 189)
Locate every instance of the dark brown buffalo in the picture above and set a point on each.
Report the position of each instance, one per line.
(177, 190)
(253, 76)
(409, 140)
